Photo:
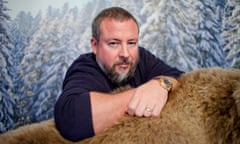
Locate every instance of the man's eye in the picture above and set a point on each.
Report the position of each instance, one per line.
(132, 44)
(113, 44)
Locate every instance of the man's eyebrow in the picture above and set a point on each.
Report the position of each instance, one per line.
(113, 39)
(133, 40)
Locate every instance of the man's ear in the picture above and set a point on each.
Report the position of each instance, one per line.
(94, 45)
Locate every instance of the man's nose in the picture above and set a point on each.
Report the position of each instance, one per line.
(124, 52)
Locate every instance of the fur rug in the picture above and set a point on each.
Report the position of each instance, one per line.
(204, 109)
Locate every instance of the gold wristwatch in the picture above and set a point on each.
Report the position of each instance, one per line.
(164, 83)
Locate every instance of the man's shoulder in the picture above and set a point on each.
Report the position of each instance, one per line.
(86, 56)
(142, 49)
(83, 60)
(146, 55)
(145, 51)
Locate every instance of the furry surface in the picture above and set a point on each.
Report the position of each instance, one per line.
(204, 109)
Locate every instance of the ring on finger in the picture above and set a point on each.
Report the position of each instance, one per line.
(148, 109)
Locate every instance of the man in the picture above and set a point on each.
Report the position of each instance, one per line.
(86, 105)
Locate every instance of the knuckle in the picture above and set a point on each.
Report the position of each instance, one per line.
(131, 108)
(138, 113)
(155, 114)
(130, 112)
(147, 115)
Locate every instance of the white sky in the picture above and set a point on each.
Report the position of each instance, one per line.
(34, 6)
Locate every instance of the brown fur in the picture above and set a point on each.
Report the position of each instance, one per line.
(204, 109)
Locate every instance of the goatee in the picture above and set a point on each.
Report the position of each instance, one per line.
(116, 78)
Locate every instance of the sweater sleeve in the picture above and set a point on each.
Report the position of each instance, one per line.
(72, 111)
(73, 116)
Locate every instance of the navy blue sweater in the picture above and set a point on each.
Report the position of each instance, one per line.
(73, 108)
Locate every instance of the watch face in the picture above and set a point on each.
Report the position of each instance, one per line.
(167, 82)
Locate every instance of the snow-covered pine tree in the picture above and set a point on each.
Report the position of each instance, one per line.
(169, 32)
(208, 33)
(53, 48)
(38, 69)
(22, 29)
(185, 34)
(133, 6)
(231, 32)
(85, 20)
(6, 61)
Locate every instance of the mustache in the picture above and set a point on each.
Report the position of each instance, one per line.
(123, 61)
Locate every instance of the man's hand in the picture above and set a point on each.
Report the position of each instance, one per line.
(148, 100)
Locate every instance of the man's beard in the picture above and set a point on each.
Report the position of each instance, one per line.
(116, 78)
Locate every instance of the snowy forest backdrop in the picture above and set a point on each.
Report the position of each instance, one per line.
(36, 50)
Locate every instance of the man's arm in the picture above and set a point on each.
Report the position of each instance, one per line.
(81, 116)
(108, 108)
(77, 115)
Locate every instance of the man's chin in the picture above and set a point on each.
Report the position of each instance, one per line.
(122, 71)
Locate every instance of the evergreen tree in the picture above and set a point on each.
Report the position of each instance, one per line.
(133, 6)
(87, 14)
(169, 32)
(208, 34)
(231, 32)
(6, 84)
(85, 20)
(185, 34)
(52, 49)
(38, 70)
(22, 29)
